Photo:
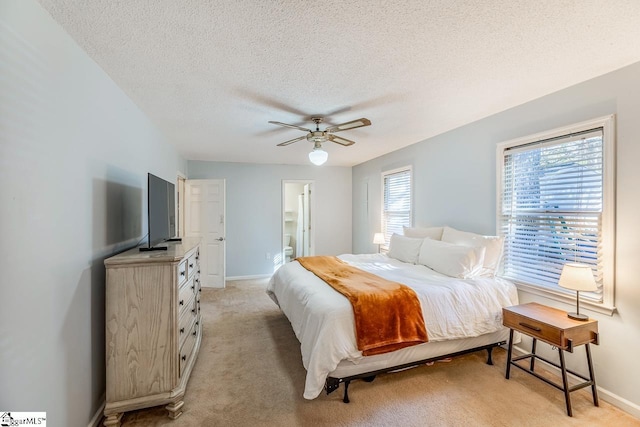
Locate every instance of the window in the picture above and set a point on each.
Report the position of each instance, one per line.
(556, 206)
(396, 202)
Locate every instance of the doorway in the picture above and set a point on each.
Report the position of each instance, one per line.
(298, 232)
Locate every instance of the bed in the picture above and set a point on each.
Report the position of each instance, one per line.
(460, 314)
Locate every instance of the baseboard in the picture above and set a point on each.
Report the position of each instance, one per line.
(255, 276)
(619, 402)
(609, 397)
(97, 417)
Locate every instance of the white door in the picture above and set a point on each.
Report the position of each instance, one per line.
(205, 219)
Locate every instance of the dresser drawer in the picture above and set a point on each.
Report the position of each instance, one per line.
(182, 272)
(196, 286)
(533, 328)
(185, 294)
(193, 285)
(192, 264)
(195, 306)
(185, 323)
(187, 348)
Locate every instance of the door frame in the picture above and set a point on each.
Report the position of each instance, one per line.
(312, 208)
(180, 188)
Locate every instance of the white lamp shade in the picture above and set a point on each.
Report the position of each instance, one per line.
(578, 277)
(378, 239)
(318, 156)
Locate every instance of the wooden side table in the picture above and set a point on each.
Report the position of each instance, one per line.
(555, 328)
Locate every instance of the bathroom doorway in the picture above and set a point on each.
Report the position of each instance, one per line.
(298, 233)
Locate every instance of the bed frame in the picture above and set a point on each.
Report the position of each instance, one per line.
(331, 383)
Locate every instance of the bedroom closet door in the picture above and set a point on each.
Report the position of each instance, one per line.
(205, 219)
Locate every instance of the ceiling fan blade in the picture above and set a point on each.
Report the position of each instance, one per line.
(291, 141)
(339, 140)
(349, 125)
(291, 126)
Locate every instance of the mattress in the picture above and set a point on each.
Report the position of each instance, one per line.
(459, 314)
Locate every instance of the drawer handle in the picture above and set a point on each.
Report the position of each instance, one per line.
(535, 328)
(193, 310)
(191, 265)
(182, 330)
(193, 287)
(195, 333)
(181, 302)
(184, 357)
(197, 323)
(182, 273)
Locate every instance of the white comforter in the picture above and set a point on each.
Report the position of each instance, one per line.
(323, 322)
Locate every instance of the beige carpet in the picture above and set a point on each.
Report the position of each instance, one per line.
(249, 373)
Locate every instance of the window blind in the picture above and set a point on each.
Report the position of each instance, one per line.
(396, 210)
(551, 208)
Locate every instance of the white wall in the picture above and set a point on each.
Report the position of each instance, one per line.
(74, 154)
(455, 184)
(254, 210)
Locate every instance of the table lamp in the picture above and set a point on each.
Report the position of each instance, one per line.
(577, 277)
(378, 239)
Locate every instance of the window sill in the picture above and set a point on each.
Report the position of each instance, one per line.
(562, 297)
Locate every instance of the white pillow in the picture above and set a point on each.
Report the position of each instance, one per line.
(458, 261)
(493, 245)
(404, 249)
(434, 233)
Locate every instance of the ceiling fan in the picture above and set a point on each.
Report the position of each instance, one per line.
(318, 156)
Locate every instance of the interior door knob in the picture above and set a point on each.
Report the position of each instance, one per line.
(220, 239)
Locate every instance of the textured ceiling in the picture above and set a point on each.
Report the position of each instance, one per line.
(211, 74)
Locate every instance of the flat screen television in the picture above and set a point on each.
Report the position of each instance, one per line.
(161, 217)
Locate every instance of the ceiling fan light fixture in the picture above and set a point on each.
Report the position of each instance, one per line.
(318, 156)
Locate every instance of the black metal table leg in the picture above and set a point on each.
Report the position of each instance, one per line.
(533, 352)
(565, 383)
(592, 376)
(509, 352)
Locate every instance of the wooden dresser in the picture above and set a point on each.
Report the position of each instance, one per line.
(153, 328)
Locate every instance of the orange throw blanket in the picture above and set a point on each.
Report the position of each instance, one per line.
(388, 315)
